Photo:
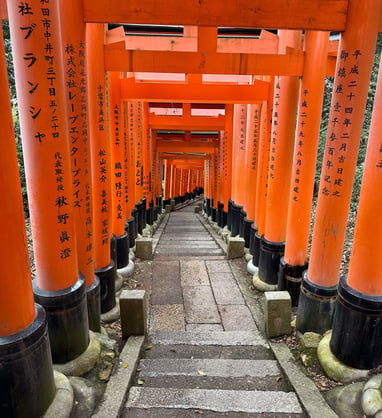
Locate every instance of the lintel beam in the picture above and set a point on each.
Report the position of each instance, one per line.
(280, 14)
(186, 147)
(186, 122)
(198, 92)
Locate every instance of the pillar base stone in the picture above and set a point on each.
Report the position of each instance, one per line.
(93, 299)
(126, 271)
(26, 371)
(235, 248)
(112, 315)
(247, 255)
(262, 286)
(118, 281)
(357, 327)
(63, 401)
(315, 307)
(84, 362)
(251, 268)
(333, 367)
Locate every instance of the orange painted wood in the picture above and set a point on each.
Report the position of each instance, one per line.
(227, 152)
(197, 92)
(138, 152)
(252, 158)
(130, 202)
(264, 150)
(73, 30)
(305, 148)
(354, 65)
(186, 122)
(117, 154)
(3, 9)
(239, 171)
(175, 146)
(119, 59)
(16, 298)
(41, 98)
(283, 14)
(100, 145)
(281, 147)
(365, 261)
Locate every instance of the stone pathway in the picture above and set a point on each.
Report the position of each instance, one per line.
(205, 354)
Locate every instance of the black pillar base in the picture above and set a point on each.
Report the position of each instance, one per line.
(224, 218)
(139, 219)
(113, 248)
(27, 385)
(247, 231)
(143, 214)
(130, 229)
(94, 305)
(122, 248)
(252, 233)
(269, 260)
(357, 328)
(235, 219)
(219, 214)
(256, 248)
(208, 206)
(229, 215)
(67, 317)
(134, 214)
(213, 214)
(107, 282)
(315, 306)
(289, 278)
(243, 215)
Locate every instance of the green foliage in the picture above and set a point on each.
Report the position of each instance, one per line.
(12, 91)
(365, 129)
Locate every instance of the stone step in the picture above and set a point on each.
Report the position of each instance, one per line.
(220, 338)
(193, 251)
(248, 402)
(225, 374)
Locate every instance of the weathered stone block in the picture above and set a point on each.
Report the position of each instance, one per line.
(144, 248)
(133, 308)
(235, 248)
(277, 313)
(167, 208)
(172, 202)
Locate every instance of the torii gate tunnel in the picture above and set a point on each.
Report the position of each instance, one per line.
(127, 105)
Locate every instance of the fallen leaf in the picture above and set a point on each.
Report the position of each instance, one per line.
(140, 381)
(149, 346)
(125, 365)
(278, 378)
(173, 350)
(202, 373)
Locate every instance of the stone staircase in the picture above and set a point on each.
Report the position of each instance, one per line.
(204, 355)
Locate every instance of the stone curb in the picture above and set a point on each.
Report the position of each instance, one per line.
(120, 381)
(306, 390)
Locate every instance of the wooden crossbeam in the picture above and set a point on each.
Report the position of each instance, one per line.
(194, 92)
(186, 147)
(273, 14)
(119, 59)
(186, 122)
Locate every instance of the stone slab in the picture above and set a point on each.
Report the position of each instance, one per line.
(237, 318)
(167, 317)
(235, 247)
(277, 313)
(199, 305)
(225, 288)
(226, 338)
(226, 368)
(119, 383)
(218, 266)
(144, 248)
(215, 400)
(204, 327)
(194, 273)
(196, 251)
(166, 288)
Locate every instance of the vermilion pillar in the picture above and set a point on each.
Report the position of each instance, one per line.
(280, 166)
(353, 69)
(251, 164)
(238, 169)
(227, 165)
(357, 324)
(131, 212)
(101, 164)
(307, 133)
(24, 343)
(41, 97)
(258, 228)
(73, 29)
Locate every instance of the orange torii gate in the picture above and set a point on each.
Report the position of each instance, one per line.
(200, 52)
